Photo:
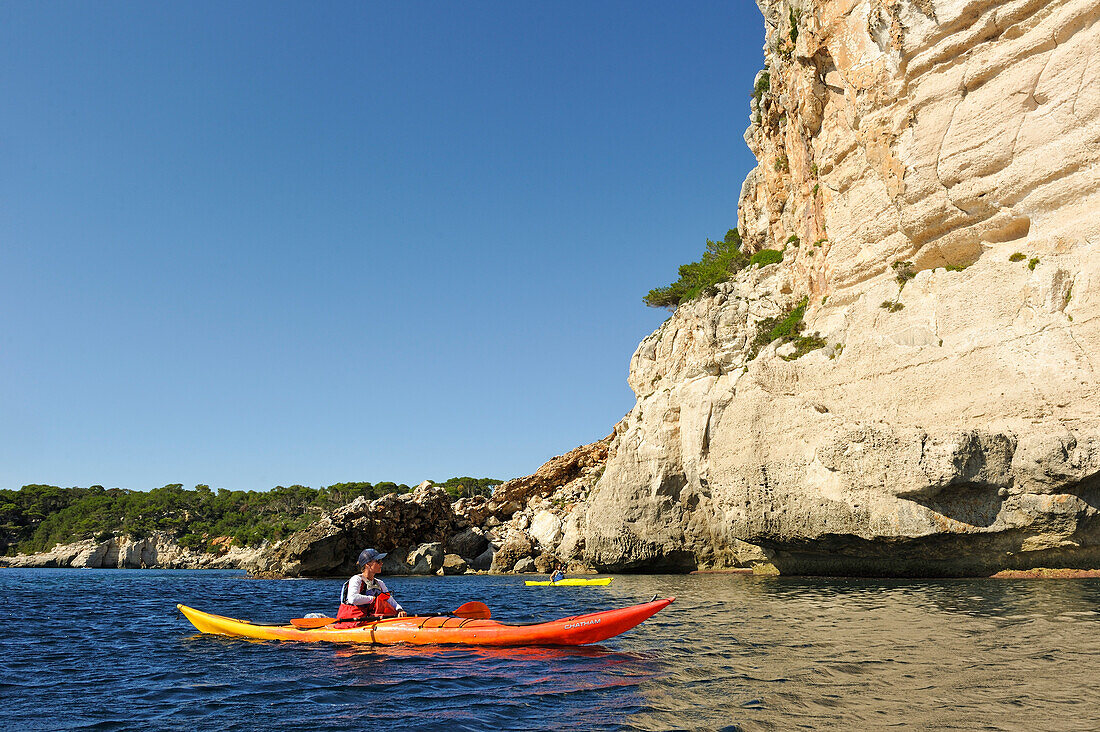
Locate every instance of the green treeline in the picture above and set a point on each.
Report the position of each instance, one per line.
(36, 517)
(466, 487)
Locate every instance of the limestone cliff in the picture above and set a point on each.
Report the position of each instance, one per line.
(931, 170)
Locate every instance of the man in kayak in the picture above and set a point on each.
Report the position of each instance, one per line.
(558, 574)
(364, 596)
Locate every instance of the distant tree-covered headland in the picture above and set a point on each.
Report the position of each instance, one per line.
(36, 517)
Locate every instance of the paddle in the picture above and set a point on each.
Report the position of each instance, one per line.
(473, 610)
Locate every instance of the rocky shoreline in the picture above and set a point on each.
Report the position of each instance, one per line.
(528, 525)
(159, 551)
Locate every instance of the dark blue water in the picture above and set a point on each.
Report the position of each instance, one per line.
(105, 650)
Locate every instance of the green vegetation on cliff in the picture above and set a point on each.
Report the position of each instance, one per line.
(721, 260)
(36, 517)
(767, 256)
(787, 328)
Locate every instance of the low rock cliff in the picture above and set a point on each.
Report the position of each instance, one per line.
(161, 550)
(529, 524)
(931, 171)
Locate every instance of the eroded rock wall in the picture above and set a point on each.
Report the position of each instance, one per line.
(529, 524)
(161, 550)
(931, 171)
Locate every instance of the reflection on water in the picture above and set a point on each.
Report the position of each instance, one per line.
(732, 652)
(819, 654)
(474, 654)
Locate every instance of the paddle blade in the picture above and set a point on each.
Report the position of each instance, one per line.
(474, 610)
(304, 623)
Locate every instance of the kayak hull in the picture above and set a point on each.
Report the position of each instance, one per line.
(573, 582)
(572, 631)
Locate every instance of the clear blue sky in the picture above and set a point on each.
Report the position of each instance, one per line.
(250, 244)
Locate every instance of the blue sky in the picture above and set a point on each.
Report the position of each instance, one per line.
(250, 244)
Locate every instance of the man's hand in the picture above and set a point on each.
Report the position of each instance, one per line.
(402, 614)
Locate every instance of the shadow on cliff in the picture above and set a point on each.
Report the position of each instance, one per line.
(1088, 490)
(965, 548)
(965, 545)
(942, 555)
(972, 504)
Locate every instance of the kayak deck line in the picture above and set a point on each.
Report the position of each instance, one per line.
(574, 630)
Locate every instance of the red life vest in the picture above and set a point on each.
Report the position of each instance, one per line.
(381, 607)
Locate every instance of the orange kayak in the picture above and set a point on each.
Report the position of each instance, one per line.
(572, 631)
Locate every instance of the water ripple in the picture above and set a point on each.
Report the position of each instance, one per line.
(733, 653)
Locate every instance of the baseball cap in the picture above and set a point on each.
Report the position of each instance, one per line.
(370, 555)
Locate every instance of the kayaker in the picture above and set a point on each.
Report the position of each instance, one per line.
(365, 596)
(558, 574)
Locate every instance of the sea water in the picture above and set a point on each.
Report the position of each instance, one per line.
(106, 650)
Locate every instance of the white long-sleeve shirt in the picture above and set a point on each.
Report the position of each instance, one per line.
(358, 591)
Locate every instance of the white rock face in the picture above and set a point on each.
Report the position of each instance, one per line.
(159, 550)
(546, 529)
(958, 433)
